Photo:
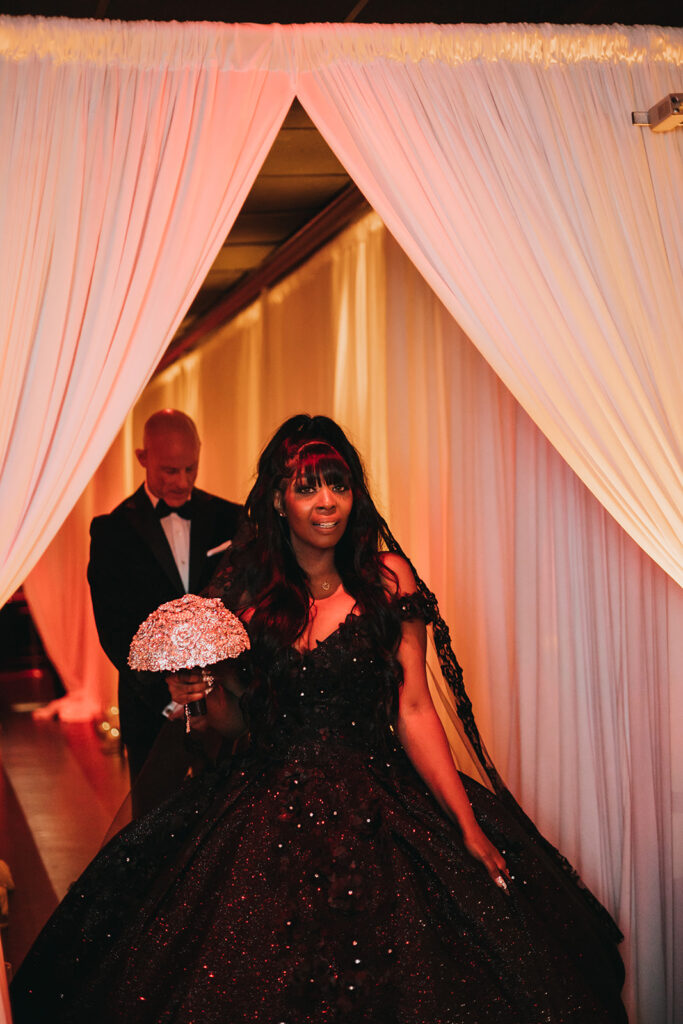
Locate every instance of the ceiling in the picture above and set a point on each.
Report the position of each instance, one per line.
(302, 195)
(591, 12)
(300, 199)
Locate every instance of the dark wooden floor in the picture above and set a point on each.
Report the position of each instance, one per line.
(60, 788)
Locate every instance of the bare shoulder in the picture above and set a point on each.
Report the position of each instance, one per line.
(401, 578)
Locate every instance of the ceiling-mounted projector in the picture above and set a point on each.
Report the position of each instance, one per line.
(664, 116)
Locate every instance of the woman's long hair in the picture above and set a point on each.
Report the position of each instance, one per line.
(262, 572)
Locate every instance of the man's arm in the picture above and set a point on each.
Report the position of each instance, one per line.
(110, 586)
(120, 607)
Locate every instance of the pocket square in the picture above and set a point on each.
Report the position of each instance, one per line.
(221, 547)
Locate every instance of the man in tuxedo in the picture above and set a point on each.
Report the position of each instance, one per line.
(160, 543)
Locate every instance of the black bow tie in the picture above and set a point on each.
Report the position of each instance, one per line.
(162, 510)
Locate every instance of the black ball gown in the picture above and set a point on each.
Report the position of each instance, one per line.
(316, 879)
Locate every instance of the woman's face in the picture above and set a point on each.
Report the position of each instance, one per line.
(317, 512)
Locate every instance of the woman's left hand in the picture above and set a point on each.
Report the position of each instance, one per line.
(481, 847)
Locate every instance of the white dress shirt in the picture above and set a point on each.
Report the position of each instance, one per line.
(177, 532)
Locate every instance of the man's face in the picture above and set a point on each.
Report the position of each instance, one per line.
(171, 460)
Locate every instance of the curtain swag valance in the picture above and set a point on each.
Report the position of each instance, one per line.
(302, 48)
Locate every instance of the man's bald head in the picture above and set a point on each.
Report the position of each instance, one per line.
(169, 421)
(170, 455)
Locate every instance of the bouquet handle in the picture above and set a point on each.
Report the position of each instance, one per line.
(197, 708)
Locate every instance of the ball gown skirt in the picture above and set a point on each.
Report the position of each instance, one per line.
(318, 880)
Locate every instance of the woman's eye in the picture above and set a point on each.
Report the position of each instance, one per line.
(340, 488)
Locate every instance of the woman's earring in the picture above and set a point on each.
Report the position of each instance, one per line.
(283, 515)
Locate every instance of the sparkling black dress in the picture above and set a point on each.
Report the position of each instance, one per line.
(317, 880)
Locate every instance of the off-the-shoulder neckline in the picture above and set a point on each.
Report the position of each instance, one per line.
(340, 625)
(351, 617)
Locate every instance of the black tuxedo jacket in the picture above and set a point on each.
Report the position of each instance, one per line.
(131, 572)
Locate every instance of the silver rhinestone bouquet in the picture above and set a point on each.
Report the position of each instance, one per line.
(190, 632)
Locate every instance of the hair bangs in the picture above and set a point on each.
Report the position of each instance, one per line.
(318, 462)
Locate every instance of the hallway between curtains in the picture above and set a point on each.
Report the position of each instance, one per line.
(566, 630)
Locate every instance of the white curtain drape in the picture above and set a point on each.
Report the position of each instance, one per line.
(505, 163)
(126, 155)
(502, 158)
(566, 630)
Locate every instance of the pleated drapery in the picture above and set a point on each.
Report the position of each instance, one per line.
(506, 165)
(126, 156)
(503, 160)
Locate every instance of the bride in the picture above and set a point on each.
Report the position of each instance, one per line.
(338, 867)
